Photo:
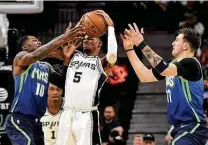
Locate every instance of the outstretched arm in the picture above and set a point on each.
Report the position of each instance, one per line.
(25, 59)
(143, 73)
(188, 68)
(157, 62)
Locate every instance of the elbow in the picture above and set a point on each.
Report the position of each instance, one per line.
(144, 80)
(144, 77)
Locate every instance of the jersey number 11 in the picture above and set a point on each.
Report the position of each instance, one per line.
(168, 94)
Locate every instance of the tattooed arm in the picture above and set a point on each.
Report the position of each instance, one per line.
(154, 59)
(144, 74)
(151, 56)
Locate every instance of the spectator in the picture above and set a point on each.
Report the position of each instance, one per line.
(191, 20)
(191, 17)
(110, 124)
(149, 139)
(202, 55)
(138, 139)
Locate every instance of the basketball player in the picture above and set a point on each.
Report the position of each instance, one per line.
(31, 86)
(184, 82)
(50, 121)
(84, 80)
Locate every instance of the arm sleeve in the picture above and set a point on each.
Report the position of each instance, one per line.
(189, 69)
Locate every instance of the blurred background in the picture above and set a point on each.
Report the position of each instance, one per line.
(138, 108)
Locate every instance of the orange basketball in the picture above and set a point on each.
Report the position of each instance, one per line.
(95, 25)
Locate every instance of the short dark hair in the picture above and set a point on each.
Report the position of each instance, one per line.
(21, 42)
(149, 136)
(192, 36)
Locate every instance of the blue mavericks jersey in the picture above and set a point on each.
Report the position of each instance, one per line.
(185, 99)
(31, 90)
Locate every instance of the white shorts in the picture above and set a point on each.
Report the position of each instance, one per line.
(78, 128)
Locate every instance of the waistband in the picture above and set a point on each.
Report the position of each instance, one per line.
(93, 108)
(188, 122)
(26, 116)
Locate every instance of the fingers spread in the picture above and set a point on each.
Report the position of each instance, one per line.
(136, 28)
(130, 26)
(142, 31)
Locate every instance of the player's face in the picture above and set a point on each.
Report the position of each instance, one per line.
(147, 142)
(54, 93)
(109, 113)
(92, 45)
(32, 44)
(138, 140)
(178, 45)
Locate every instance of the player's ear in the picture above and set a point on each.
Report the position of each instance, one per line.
(100, 44)
(186, 46)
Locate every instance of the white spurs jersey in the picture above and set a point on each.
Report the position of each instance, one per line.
(84, 80)
(50, 124)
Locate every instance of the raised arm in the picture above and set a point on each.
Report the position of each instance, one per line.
(25, 58)
(157, 62)
(143, 73)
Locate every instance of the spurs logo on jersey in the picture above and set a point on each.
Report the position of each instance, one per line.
(50, 124)
(84, 79)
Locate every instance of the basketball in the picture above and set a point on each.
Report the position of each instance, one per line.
(95, 25)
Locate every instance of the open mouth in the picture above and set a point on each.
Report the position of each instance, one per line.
(55, 97)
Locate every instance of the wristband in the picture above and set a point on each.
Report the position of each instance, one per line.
(161, 66)
(129, 50)
(141, 45)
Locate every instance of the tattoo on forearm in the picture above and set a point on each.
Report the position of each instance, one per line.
(48, 48)
(151, 56)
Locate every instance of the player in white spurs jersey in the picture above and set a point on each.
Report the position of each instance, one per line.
(50, 121)
(84, 79)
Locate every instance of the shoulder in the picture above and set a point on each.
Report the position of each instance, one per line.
(19, 56)
(47, 64)
(190, 61)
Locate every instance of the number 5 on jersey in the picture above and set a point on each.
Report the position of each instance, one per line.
(77, 77)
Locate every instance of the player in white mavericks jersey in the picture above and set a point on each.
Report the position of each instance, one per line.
(50, 121)
(84, 79)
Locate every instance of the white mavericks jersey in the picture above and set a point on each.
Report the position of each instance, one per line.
(50, 124)
(84, 80)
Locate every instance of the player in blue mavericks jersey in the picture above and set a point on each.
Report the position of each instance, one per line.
(31, 86)
(184, 82)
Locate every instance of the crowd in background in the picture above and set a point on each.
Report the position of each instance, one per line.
(153, 16)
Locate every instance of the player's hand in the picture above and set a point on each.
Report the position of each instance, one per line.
(128, 43)
(69, 49)
(134, 34)
(73, 33)
(105, 16)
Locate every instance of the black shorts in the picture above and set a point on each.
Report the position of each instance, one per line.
(24, 130)
(189, 134)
